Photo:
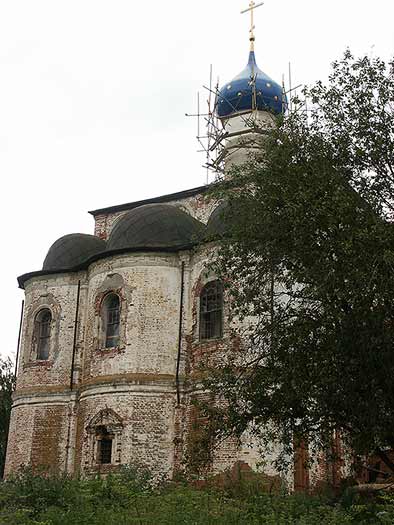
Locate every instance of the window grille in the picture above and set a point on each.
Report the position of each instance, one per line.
(211, 311)
(112, 320)
(43, 333)
(104, 445)
(105, 451)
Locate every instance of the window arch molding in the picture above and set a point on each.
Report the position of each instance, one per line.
(112, 284)
(42, 333)
(29, 351)
(210, 315)
(104, 432)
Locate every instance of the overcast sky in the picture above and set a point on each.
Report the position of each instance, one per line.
(93, 96)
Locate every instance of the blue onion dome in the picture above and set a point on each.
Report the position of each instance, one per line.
(155, 226)
(238, 95)
(72, 250)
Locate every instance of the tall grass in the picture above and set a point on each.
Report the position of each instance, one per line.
(132, 498)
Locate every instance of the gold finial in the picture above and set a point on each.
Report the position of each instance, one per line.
(251, 8)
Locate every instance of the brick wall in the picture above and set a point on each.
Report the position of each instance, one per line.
(197, 206)
(51, 422)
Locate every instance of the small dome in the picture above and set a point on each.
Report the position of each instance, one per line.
(237, 95)
(216, 225)
(72, 250)
(155, 226)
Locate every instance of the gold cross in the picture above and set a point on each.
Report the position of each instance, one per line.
(251, 8)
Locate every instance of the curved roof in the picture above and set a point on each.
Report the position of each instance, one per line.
(216, 225)
(237, 96)
(72, 250)
(155, 226)
(151, 228)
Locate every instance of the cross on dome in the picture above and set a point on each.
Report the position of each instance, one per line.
(252, 89)
(251, 8)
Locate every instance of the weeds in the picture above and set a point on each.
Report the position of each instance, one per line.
(131, 497)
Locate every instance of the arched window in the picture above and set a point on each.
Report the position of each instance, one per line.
(111, 320)
(211, 310)
(43, 323)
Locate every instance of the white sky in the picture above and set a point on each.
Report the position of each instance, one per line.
(93, 95)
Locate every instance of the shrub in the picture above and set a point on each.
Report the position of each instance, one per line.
(134, 497)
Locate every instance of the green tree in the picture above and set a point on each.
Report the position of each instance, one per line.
(7, 385)
(308, 262)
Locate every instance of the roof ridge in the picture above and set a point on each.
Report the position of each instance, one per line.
(161, 198)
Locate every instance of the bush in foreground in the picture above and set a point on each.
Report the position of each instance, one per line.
(130, 498)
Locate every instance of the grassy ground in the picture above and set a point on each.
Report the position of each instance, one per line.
(130, 499)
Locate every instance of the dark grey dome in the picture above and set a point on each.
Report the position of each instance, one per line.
(216, 225)
(155, 226)
(72, 250)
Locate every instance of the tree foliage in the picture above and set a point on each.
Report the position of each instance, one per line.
(308, 262)
(7, 384)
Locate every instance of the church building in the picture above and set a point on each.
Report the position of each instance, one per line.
(116, 324)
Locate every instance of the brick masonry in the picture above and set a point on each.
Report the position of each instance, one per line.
(131, 388)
